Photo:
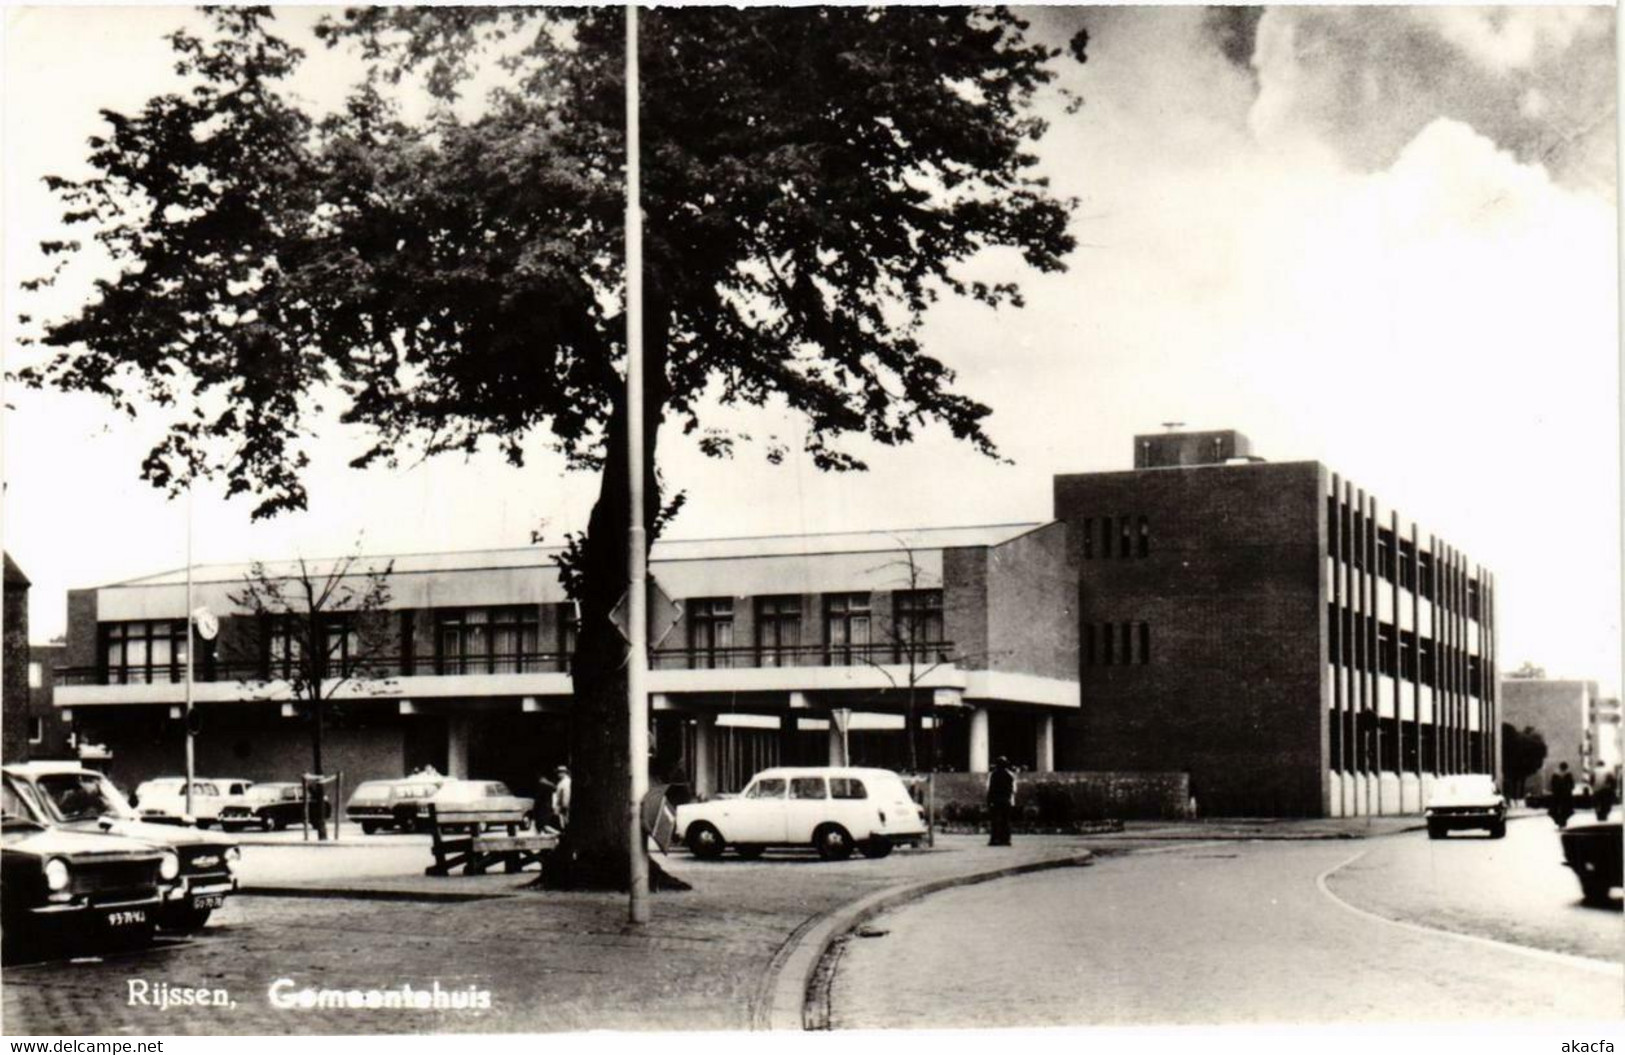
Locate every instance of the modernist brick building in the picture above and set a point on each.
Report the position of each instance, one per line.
(1273, 631)
(1580, 727)
(779, 640)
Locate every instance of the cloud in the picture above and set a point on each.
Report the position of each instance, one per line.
(1538, 82)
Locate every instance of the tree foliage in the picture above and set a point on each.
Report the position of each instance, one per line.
(814, 179)
(1523, 752)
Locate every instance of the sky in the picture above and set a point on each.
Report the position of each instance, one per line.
(1383, 238)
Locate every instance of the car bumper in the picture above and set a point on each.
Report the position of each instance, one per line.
(82, 919)
(1466, 819)
(197, 894)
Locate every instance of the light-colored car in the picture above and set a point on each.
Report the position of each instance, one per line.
(832, 809)
(400, 804)
(477, 803)
(163, 801)
(1468, 800)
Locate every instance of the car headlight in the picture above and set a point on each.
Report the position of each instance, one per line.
(56, 874)
(169, 866)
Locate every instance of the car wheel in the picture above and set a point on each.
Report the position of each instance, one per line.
(875, 848)
(1435, 831)
(704, 841)
(190, 919)
(368, 827)
(1498, 830)
(749, 853)
(274, 823)
(527, 823)
(833, 842)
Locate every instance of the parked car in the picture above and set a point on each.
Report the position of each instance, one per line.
(74, 889)
(163, 800)
(272, 806)
(67, 796)
(832, 809)
(1595, 851)
(478, 803)
(398, 804)
(1468, 800)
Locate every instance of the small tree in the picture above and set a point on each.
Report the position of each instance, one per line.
(1523, 752)
(1527, 672)
(317, 639)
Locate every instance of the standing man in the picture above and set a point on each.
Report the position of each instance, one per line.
(1001, 800)
(1562, 807)
(561, 796)
(1606, 794)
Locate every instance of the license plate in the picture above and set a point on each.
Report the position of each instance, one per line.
(203, 901)
(130, 917)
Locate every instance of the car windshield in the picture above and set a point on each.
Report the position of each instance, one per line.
(13, 807)
(768, 788)
(81, 796)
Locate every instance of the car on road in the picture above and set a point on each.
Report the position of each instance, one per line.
(480, 803)
(832, 809)
(271, 806)
(74, 889)
(1467, 800)
(1594, 852)
(66, 796)
(163, 799)
(401, 804)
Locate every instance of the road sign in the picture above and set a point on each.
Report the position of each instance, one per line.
(664, 615)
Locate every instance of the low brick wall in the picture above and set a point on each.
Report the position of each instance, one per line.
(1064, 801)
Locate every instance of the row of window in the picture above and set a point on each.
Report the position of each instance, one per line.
(1352, 538)
(1402, 654)
(1384, 741)
(1116, 644)
(1122, 537)
(508, 639)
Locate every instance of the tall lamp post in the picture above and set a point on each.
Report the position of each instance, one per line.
(637, 668)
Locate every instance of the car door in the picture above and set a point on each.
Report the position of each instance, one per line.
(806, 808)
(757, 816)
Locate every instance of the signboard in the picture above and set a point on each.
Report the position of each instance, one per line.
(664, 615)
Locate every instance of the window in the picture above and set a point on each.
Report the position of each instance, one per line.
(1387, 654)
(1106, 647)
(1145, 643)
(807, 788)
(1472, 598)
(36, 675)
(1385, 554)
(767, 788)
(1105, 536)
(1145, 538)
(1125, 537)
(1475, 677)
(1425, 575)
(285, 645)
(36, 729)
(1407, 655)
(846, 627)
(569, 622)
(1088, 538)
(1088, 644)
(778, 630)
(710, 632)
(1128, 643)
(917, 616)
(1425, 656)
(498, 640)
(1407, 565)
(847, 788)
(144, 652)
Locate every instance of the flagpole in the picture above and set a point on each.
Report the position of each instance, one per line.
(638, 549)
(187, 722)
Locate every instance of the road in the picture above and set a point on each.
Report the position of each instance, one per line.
(1246, 932)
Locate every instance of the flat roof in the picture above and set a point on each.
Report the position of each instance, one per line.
(665, 551)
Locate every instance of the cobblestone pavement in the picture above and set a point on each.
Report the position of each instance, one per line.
(551, 961)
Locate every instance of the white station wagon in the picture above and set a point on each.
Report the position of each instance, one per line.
(832, 809)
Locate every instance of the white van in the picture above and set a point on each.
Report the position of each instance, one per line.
(164, 799)
(833, 809)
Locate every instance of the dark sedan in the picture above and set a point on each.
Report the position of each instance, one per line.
(269, 806)
(1595, 851)
(67, 796)
(74, 889)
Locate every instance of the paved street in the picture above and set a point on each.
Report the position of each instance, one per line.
(1241, 932)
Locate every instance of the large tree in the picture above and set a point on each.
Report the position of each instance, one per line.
(814, 179)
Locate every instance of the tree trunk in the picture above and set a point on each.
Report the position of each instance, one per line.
(594, 853)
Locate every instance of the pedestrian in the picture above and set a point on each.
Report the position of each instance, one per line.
(561, 796)
(1562, 807)
(1606, 795)
(1001, 801)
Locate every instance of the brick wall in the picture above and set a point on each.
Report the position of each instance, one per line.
(964, 604)
(14, 665)
(81, 635)
(1055, 799)
(1032, 605)
(1229, 589)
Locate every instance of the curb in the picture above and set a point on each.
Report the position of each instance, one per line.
(366, 894)
(794, 994)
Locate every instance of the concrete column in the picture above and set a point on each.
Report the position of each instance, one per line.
(978, 741)
(1046, 743)
(705, 766)
(788, 725)
(837, 747)
(457, 732)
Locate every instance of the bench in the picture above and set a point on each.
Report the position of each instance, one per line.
(459, 845)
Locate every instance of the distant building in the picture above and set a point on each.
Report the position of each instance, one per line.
(14, 724)
(1570, 717)
(48, 736)
(1274, 632)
